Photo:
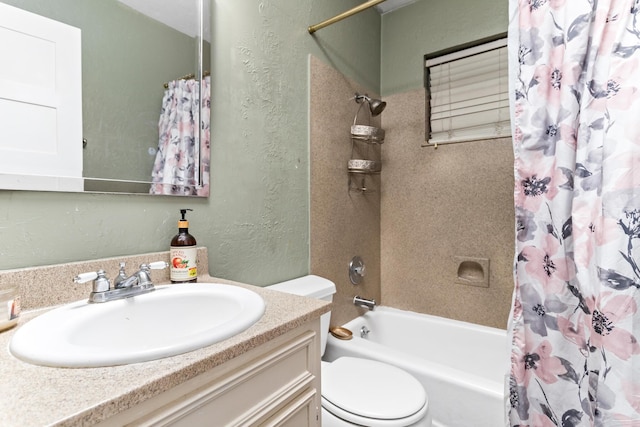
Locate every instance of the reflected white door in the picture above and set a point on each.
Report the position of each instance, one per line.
(40, 102)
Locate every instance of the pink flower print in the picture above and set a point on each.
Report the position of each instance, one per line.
(619, 92)
(537, 184)
(518, 109)
(556, 4)
(549, 79)
(555, 75)
(590, 229)
(576, 330)
(541, 364)
(516, 311)
(569, 135)
(532, 13)
(608, 326)
(607, 21)
(631, 393)
(548, 265)
(517, 137)
(534, 189)
(574, 333)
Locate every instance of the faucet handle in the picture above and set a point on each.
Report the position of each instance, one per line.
(144, 279)
(356, 270)
(100, 281)
(157, 265)
(85, 277)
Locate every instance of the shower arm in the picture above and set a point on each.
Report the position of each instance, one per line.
(366, 5)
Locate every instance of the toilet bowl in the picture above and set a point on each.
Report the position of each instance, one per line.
(357, 391)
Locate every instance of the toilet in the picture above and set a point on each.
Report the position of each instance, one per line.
(357, 391)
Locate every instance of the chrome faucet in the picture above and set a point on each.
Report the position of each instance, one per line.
(363, 302)
(364, 332)
(124, 287)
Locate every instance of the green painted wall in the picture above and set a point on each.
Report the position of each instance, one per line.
(429, 26)
(255, 223)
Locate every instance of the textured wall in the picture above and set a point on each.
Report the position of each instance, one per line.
(428, 26)
(438, 204)
(256, 222)
(261, 127)
(343, 223)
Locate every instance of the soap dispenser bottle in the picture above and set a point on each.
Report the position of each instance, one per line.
(183, 253)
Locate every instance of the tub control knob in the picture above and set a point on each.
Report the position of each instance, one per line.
(356, 270)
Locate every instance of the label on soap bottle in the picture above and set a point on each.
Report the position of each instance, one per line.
(183, 263)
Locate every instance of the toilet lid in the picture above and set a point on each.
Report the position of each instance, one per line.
(371, 389)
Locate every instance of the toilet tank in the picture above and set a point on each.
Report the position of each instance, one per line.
(313, 287)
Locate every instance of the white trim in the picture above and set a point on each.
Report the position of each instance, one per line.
(466, 52)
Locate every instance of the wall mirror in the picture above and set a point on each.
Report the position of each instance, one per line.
(145, 93)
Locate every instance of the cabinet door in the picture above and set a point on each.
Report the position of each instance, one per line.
(251, 395)
(275, 384)
(301, 412)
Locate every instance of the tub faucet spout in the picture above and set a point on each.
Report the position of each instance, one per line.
(363, 302)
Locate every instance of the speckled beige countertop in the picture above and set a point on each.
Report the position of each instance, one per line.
(32, 395)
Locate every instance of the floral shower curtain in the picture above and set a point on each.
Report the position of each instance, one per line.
(176, 169)
(575, 74)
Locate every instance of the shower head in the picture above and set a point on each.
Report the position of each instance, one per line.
(376, 106)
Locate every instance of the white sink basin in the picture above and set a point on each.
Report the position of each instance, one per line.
(171, 320)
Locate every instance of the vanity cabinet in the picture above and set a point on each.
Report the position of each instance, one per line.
(274, 384)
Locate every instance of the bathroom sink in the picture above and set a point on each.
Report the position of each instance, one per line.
(171, 320)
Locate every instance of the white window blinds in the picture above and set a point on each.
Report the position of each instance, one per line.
(467, 92)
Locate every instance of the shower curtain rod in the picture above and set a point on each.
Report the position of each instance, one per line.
(366, 5)
(188, 77)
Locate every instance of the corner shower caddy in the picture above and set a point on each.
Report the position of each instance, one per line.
(364, 154)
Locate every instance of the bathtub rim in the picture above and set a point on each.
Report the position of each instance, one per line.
(494, 388)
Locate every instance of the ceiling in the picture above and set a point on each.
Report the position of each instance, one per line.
(181, 14)
(391, 5)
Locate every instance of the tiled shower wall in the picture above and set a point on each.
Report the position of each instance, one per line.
(427, 212)
(440, 207)
(343, 223)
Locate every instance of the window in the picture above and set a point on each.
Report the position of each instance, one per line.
(467, 93)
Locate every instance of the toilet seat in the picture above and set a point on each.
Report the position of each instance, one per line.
(372, 393)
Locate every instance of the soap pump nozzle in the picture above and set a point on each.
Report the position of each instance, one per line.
(183, 223)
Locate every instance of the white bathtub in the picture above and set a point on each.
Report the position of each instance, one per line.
(461, 365)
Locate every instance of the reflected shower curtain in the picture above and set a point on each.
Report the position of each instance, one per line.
(575, 75)
(176, 169)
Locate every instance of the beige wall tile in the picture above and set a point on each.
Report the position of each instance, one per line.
(440, 204)
(343, 223)
(430, 207)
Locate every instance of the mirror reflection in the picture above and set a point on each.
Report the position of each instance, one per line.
(144, 72)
